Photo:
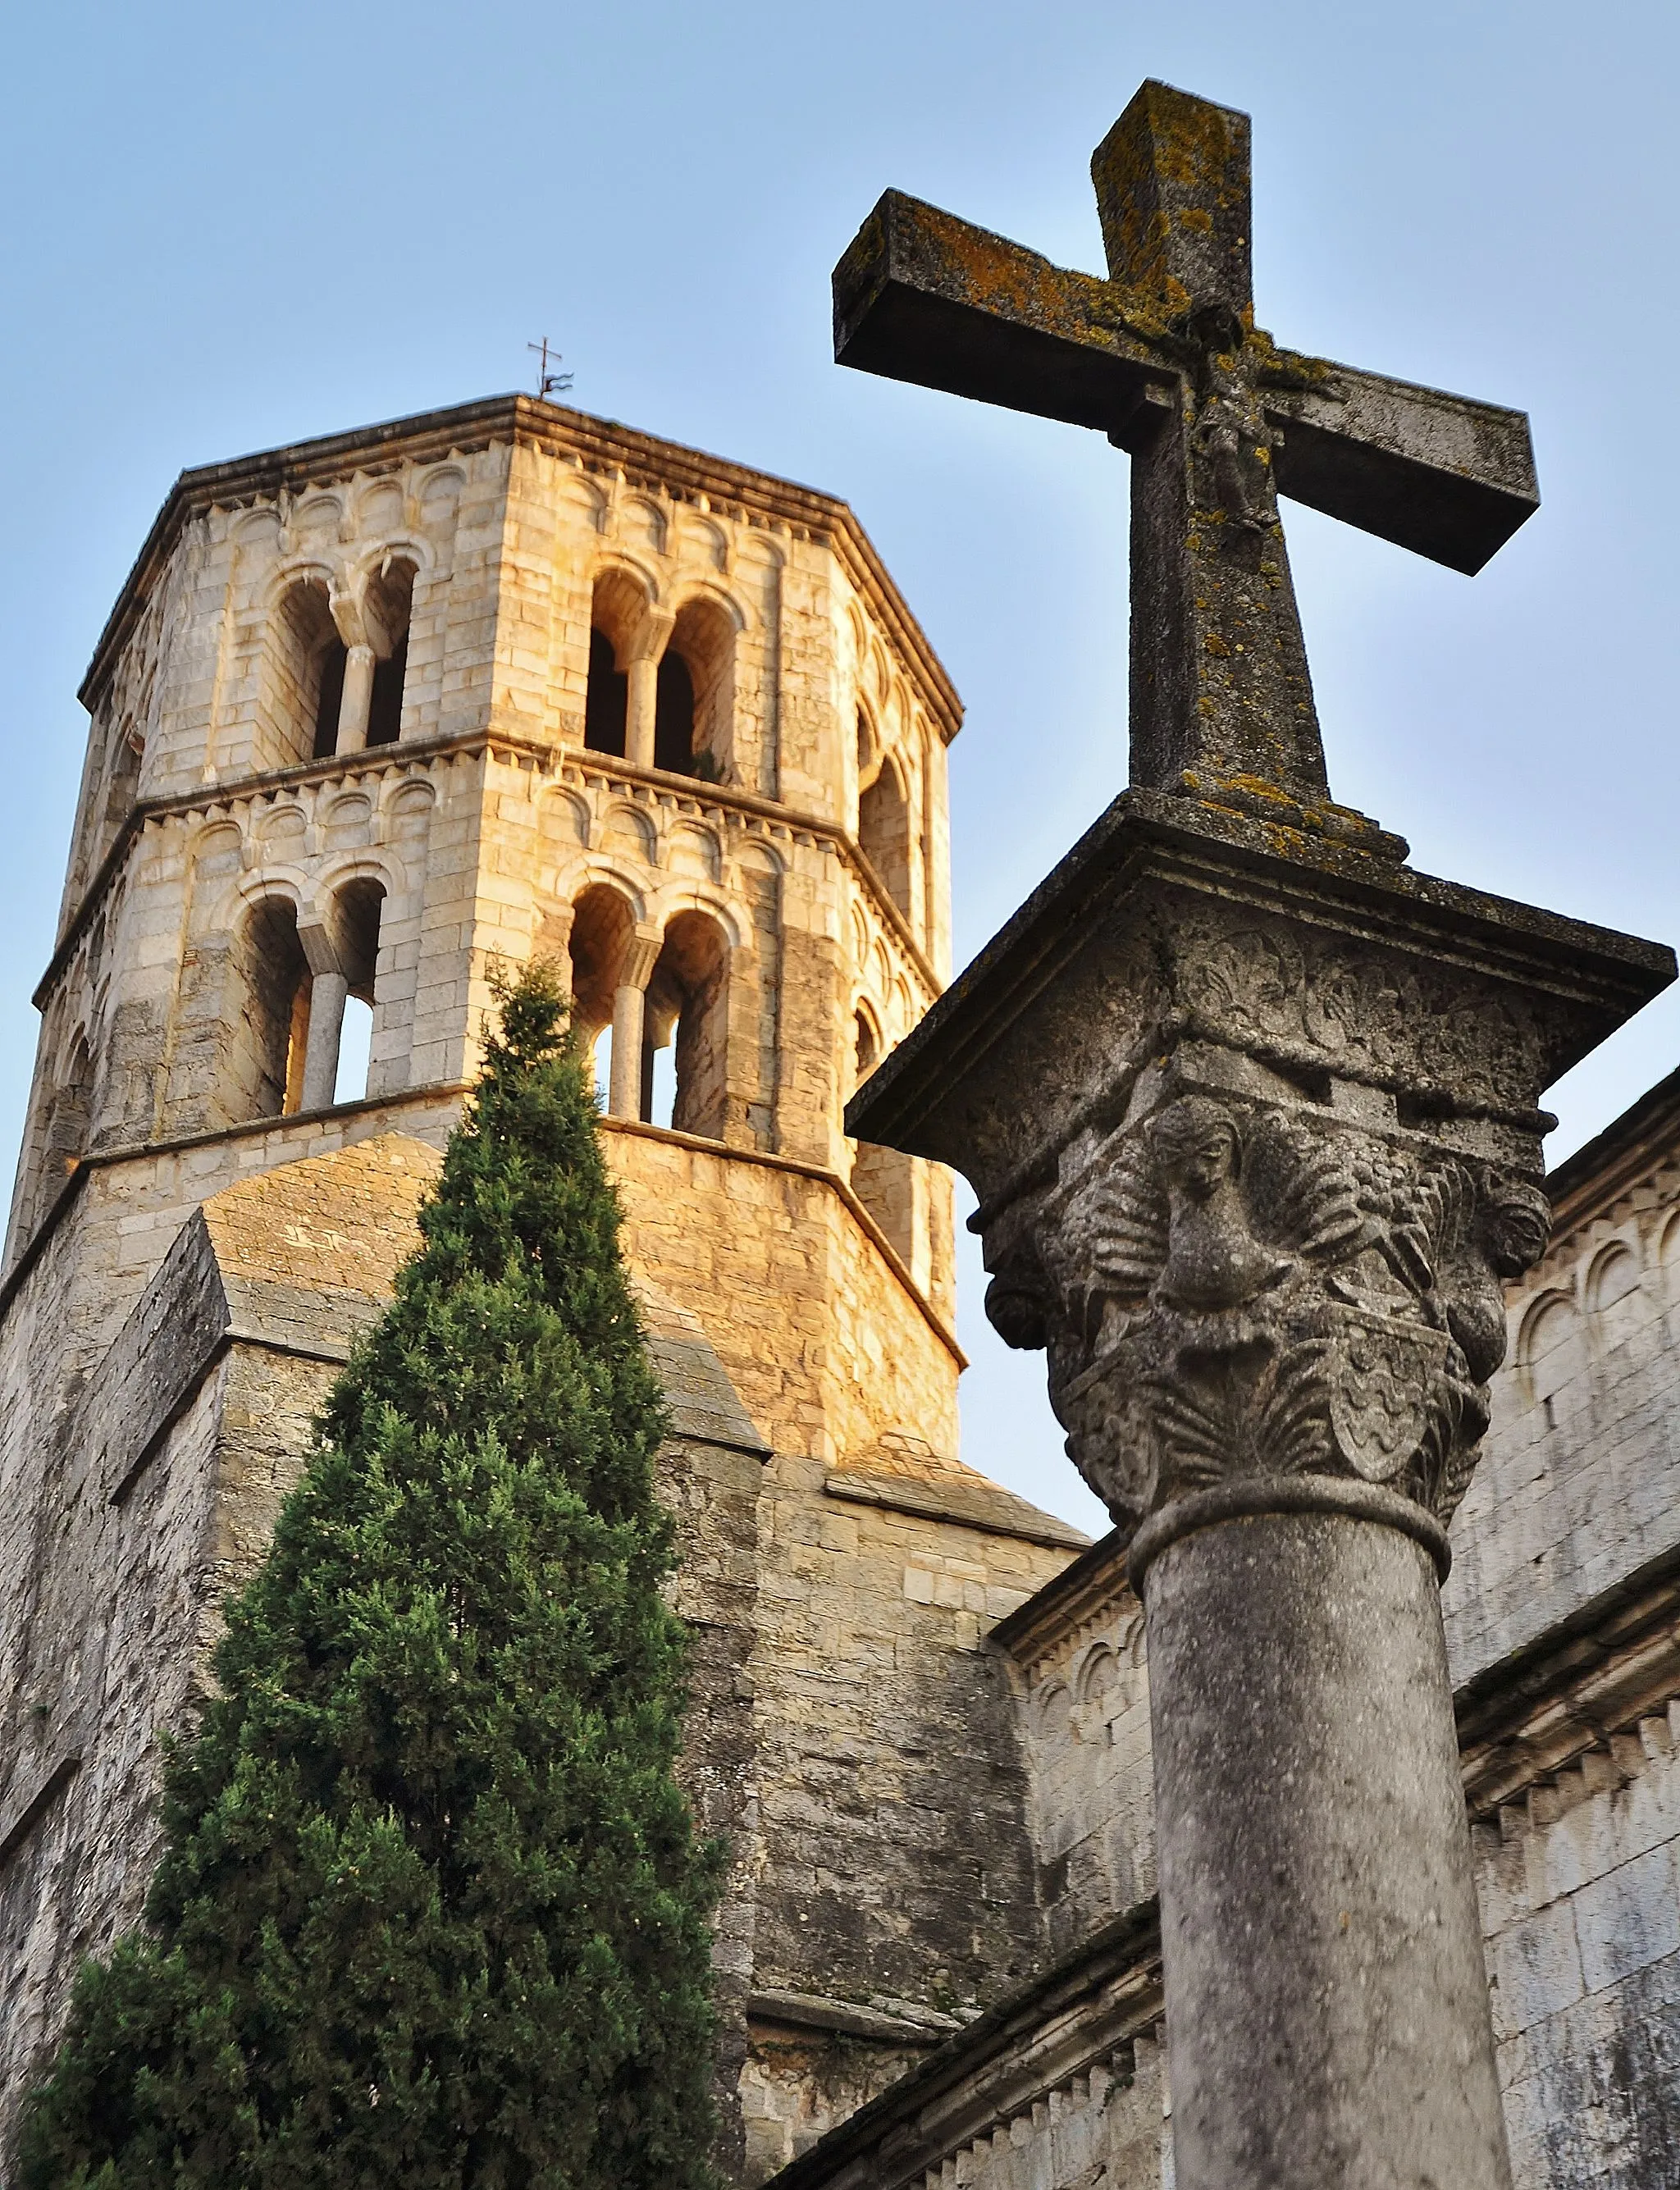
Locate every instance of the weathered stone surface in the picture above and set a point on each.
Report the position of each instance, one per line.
(1249, 1109)
(1164, 357)
(785, 901)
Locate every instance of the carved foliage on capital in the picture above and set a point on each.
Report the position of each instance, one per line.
(1231, 1288)
(1272, 985)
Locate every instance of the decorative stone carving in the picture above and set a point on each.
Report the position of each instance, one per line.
(1227, 1288)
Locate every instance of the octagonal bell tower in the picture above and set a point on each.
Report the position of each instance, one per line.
(372, 714)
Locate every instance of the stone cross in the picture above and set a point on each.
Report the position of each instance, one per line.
(1165, 358)
(1250, 1110)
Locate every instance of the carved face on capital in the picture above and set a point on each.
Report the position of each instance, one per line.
(1196, 1147)
(1516, 1227)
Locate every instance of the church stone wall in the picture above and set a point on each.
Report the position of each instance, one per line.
(1579, 1891)
(841, 1568)
(1579, 1484)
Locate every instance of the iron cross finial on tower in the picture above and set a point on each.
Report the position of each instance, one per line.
(1165, 358)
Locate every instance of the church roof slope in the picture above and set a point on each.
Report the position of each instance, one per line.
(904, 1473)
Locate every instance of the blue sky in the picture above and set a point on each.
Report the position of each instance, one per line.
(233, 227)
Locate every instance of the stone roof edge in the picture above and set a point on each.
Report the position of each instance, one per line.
(1096, 1578)
(1114, 1968)
(467, 426)
(1535, 1712)
(1613, 1159)
(981, 1504)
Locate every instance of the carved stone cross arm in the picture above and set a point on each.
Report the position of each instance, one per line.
(1163, 356)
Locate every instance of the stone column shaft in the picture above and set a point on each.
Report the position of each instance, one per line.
(356, 704)
(642, 702)
(327, 993)
(646, 645)
(629, 1025)
(1325, 1991)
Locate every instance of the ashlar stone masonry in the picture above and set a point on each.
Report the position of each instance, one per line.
(371, 715)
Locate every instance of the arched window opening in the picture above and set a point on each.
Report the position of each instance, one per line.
(882, 1179)
(272, 1034)
(607, 701)
(391, 605)
(69, 1118)
(866, 752)
(694, 720)
(867, 1051)
(883, 833)
(673, 717)
(602, 928)
(356, 1051)
(1613, 1292)
(308, 666)
(618, 612)
(331, 699)
(688, 1008)
(1555, 1354)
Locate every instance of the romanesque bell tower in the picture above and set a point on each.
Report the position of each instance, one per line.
(371, 715)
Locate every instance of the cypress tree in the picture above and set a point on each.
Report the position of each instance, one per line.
(430, 1914)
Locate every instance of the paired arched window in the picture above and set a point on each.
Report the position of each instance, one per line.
(660, 692)
(285, 1051)
(335, 695)
(635, 1015)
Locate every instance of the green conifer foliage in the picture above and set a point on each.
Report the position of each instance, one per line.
(430, 1912)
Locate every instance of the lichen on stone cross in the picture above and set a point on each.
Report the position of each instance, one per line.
(1164, 357)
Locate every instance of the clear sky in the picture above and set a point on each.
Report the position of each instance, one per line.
(232, 227)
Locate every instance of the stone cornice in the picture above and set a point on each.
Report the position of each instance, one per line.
(1086, 1589)
(445, 1091)
(599, 444)
(1594, 1676)
(408, 1098)
(1629, 1148)
(379, 760)
(1090, 2005)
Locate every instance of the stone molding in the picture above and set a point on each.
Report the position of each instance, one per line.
(805, 2011)
(567, 763)
(1078, 2021)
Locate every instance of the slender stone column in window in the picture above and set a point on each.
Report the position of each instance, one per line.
(329, 987)
(360, 611)
(629, 1019)
(327, 993)
(642, 653)
(358, 699)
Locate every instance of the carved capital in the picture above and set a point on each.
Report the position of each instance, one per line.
(1233, 1290)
